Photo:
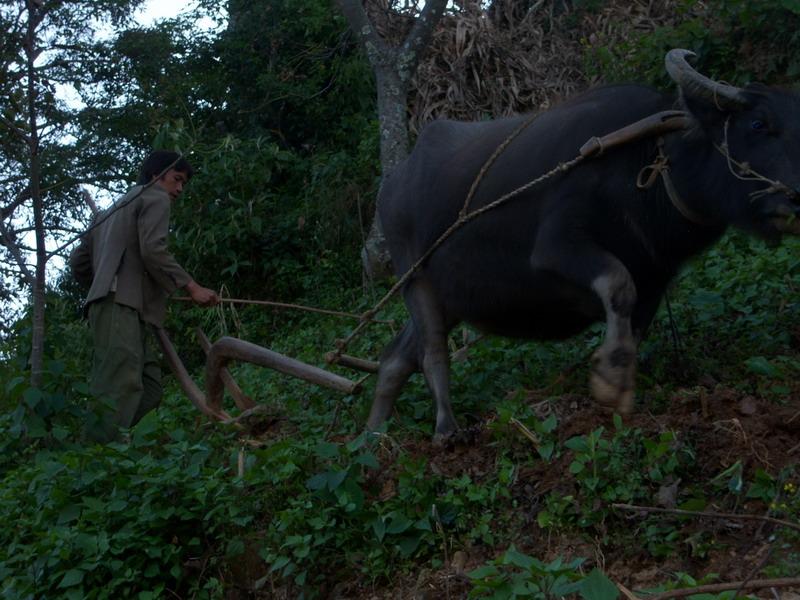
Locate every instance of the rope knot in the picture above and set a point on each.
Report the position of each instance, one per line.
(745, 168)
(648, 175)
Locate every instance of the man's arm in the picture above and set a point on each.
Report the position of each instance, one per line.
(153, 224)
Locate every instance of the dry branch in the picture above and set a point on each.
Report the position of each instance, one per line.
(715, 588)
(709, 514)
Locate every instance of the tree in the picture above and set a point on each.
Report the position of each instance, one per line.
(394, 67)
(46, 50)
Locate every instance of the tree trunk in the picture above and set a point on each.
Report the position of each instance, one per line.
(393, 128)
(394, 68)
(38, 292)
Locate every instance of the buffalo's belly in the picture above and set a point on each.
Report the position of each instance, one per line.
(537, 305)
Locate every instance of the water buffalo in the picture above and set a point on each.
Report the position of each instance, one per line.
(587, 244)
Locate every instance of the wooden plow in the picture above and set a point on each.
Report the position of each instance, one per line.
(218, 378)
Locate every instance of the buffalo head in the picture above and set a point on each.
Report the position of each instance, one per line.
(755, 131)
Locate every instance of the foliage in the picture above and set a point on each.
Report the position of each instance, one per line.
(46, 52)
(736, 41)
(626, 468)
(517, 575)
(115, 521)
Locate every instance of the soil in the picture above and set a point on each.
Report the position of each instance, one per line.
(722, 425)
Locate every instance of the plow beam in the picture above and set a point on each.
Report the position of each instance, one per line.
(227, 348)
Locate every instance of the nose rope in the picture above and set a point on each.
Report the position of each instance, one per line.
(747, 173)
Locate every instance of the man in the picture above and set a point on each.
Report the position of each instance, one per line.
(124, 261)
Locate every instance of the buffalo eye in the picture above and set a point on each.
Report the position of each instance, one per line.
(757, 124)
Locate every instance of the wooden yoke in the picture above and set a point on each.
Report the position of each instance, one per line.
(652, 125)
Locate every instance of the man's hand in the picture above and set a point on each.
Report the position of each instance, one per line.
(201, 295)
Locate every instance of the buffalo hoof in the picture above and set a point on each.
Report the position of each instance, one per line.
(619, 401)
(612, 378)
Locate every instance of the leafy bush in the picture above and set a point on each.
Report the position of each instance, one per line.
(123, 520)
(517, 575)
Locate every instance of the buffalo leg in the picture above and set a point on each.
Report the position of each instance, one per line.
(397, 363)
(429, 322)
(614, 363)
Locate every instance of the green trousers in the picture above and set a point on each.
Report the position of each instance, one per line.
(126, 376)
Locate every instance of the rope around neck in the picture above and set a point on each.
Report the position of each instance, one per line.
(746, 172)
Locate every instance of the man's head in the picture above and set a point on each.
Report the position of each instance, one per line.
(170, 168)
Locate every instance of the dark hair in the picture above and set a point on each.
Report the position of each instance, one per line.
(162, 160)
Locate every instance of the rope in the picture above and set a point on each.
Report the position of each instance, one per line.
(462, 220)
(491, 160)
(748, 174)
(292, 306)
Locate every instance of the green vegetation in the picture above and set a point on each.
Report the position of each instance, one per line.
(300, 502)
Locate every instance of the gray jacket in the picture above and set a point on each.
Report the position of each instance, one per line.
(130, 243)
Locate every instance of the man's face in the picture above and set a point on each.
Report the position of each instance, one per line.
(172, 181)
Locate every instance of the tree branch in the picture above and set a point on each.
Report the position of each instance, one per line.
(715, 588)
(19, 132)
(421, 33)
(710, 514)
(7, 211)
(11, 245)
(374, 47)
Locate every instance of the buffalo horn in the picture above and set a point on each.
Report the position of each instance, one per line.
(699, 86)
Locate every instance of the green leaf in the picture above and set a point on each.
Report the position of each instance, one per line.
(32, 397)
(761, 366)
(576, 467)
(517, 558)
(318, 481)
(69, 513)
(483, 572)
(379, 527)
(326, 450)
(146, 427)
(549, 424)
(618, 425)
(577, 444)
(71, 578)
(791, 5)
(335, 479)
(235, 547)
(399, 523)
(281, 562)
(546, 450)
(408, 545)
(14, 385)
(368, 460)
(544, 519)
(597, 586)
